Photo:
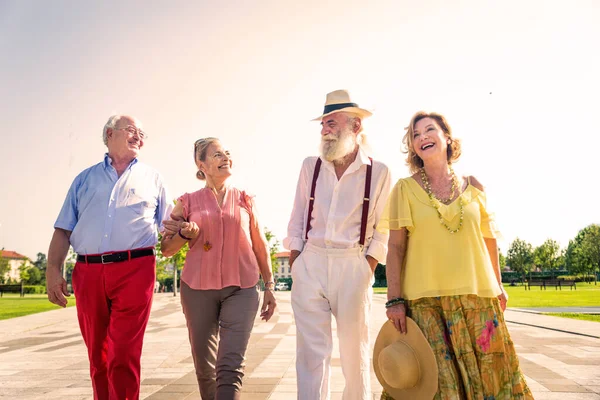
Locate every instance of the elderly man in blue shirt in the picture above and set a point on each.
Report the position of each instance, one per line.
(111, 217)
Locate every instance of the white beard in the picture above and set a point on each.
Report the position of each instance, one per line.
(337, 148)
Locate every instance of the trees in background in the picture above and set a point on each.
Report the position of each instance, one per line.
(520, 257)
(548, 256)
(273, 249)
(583, 252)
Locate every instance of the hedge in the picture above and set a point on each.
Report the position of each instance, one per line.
(34, 289)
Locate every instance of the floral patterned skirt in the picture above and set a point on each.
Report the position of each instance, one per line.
(476, 357)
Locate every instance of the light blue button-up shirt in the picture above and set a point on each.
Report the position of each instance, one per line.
(107, 213)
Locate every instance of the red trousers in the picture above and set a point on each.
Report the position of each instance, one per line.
(113, 307)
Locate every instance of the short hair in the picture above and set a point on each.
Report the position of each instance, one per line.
(111, 123)
(200, 148)
(415, 162)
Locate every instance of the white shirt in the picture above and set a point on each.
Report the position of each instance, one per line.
(337, 209)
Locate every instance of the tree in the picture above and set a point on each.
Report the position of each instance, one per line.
(581, 256)
(547, 256)
(501, 260)
(41, 263)
(4, 268)
(520, 257)
(273, 249)
(30, 275)
(175, 262)
(590, 247)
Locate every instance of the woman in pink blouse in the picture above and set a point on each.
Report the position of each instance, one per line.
(219, 292)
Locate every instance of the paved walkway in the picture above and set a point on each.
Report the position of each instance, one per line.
(43, 357)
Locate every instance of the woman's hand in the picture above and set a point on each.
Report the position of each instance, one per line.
(503, 298)
(269, 305)
(190, 230)
(397, 314)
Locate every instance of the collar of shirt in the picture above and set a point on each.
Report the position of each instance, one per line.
(108, 161)
(361, 159)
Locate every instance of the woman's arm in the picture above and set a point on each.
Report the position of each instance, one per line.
(172, 241)
(260, 248)
(492, 247)
(397, 244)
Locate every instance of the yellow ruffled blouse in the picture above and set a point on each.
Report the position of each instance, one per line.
(437, 262)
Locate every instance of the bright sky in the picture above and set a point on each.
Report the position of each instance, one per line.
(517, 80)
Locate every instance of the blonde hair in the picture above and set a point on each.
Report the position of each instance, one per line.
(415, 162)
(200, 148)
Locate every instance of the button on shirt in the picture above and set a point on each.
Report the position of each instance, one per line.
(107, 213)
(337, 211)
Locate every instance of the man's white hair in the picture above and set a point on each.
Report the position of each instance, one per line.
(361, 138)
(112, 122)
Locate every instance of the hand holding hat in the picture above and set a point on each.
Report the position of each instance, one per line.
(404, 363)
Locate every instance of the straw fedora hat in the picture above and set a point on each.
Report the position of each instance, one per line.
(338, 101)
(404, 363)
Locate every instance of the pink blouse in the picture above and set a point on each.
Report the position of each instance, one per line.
(221, 255)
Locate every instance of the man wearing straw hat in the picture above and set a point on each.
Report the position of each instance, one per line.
(334, 251)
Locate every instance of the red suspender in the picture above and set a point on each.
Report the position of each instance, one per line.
(311, 202)
(366, 198)
(365, 208)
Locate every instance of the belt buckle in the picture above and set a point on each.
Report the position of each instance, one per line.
(102, 258)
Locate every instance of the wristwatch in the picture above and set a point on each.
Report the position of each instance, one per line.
(269, 285)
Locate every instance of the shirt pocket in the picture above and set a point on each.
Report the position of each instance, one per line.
(141, 203)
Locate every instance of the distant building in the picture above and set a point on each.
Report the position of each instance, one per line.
(15, 260)
(283, 269)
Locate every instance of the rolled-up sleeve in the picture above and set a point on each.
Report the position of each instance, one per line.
(165, 206)
(68, 216)
(294, 239)
(379, 244)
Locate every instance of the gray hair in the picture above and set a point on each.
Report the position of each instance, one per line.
(200, 148)
(361, 137)
(112, 122)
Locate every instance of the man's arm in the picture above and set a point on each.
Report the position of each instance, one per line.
(378, 247)
(294, 240)
(56, 286)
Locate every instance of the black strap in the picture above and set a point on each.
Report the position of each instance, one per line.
(311, 201)
(109, 258)
(366, 200)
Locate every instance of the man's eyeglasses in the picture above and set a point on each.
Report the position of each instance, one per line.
(133, 130)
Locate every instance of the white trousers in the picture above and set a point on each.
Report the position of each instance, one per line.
(330, 282)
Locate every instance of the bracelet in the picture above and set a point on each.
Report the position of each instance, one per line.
(183, 237)
(393, 302)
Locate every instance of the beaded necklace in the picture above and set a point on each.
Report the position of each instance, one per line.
(436, 205)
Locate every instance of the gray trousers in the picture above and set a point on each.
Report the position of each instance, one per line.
(228, 313)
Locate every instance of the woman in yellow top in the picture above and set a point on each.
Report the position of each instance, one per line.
(443, 270)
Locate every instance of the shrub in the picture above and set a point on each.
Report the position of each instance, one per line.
(34, 289)
(576, 278)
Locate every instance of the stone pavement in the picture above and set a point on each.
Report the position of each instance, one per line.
(43, 357)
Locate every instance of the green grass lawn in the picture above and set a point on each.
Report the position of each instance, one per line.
(587, 294)
(585, 317)
(11, 305)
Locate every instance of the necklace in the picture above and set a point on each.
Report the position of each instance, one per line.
(436, 205)
(219, 194)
